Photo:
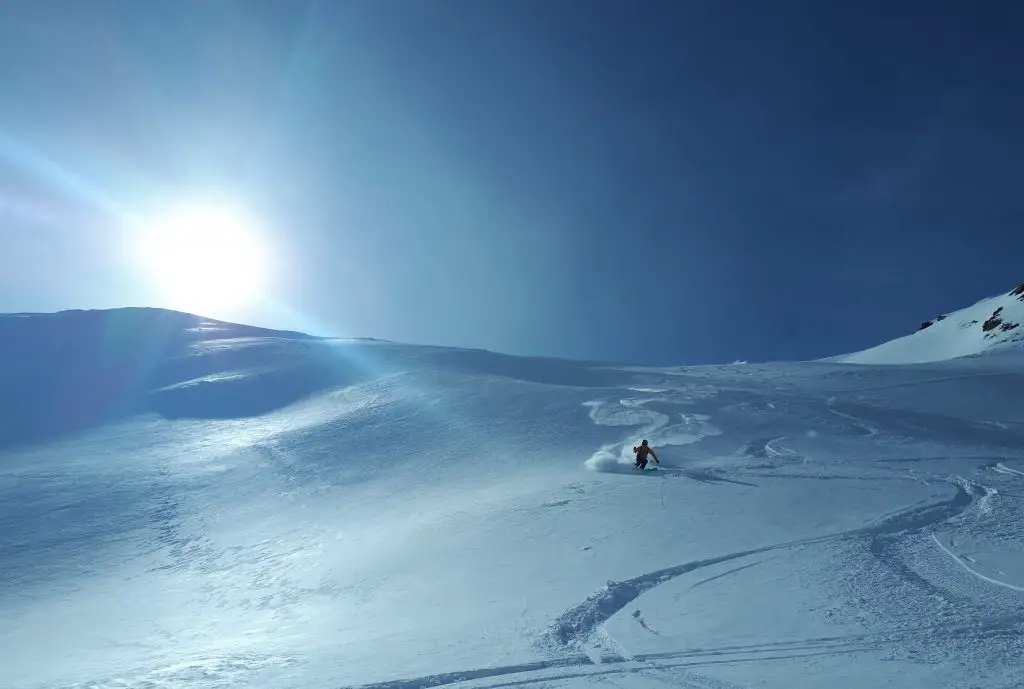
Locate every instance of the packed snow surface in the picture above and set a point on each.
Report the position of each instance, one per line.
(275, 511)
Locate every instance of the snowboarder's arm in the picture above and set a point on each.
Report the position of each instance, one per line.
(655, 455)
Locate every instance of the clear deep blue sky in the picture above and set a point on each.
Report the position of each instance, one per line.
(662, 182)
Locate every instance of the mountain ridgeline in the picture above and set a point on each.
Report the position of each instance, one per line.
(72, 370)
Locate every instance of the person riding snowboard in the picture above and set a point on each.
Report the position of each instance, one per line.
(641, 455)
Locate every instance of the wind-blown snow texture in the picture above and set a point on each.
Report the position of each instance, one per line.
(186, 503)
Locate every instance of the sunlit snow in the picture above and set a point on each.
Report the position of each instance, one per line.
(185, 503)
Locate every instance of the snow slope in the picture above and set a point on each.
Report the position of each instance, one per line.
(419, 517)
(991, 324)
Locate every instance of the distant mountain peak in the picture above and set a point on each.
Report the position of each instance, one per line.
(989, 325)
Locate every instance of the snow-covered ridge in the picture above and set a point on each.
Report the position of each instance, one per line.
(73, 370)
(991, 324)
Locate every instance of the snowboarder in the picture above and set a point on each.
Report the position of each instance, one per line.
(641, 455)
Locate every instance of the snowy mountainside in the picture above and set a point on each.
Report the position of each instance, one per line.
(67, 371)
(416, 516)
(990, 324)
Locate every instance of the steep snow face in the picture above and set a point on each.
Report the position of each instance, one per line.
(990, 324)
(415, 517)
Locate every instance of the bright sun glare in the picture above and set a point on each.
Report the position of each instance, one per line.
(203, 258)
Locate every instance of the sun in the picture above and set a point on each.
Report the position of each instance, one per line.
(204, 258)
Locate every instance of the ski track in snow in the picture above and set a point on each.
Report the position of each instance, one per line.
(582, 666)
(575, 627)
(779, 427)
(960, 561)
(568, 636)
(1003, 469)
(870, 430)
(658, 427)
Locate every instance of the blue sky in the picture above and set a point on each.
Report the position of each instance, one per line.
(662, 182)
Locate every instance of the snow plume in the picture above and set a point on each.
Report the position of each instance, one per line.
(661, 429)
(611, 459)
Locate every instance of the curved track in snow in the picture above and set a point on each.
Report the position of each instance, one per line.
(578, 624)
(566, 638)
